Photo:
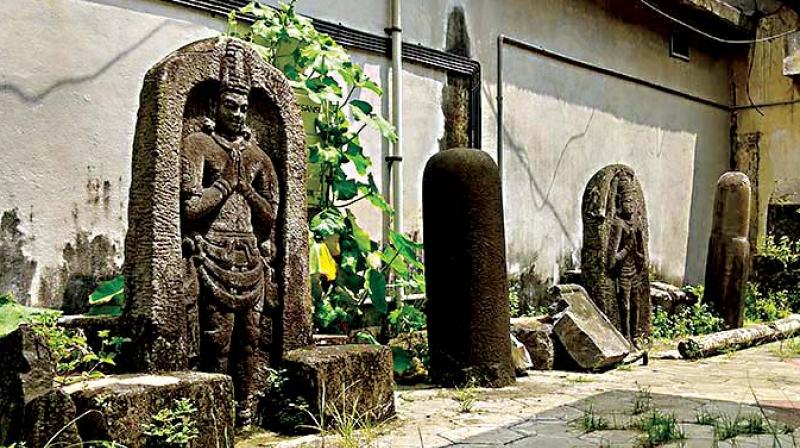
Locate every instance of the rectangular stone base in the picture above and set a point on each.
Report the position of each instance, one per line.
(348, 379)
(125, 403)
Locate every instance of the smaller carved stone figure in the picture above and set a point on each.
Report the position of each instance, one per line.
(229, 198)
(627, 255)
(614, 258)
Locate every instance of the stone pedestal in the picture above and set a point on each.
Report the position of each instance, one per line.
(125, 403)
(465, 270)
(349, 380)
(728, 259)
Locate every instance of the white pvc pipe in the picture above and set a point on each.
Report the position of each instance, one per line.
(396, 163)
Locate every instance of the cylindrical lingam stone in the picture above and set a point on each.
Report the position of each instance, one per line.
(465, 270)
(728, 259)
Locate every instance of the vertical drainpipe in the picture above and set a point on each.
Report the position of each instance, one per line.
(500, 41)
(395, 161)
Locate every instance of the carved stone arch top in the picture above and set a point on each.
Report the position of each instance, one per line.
(174, 100)
(601, 272)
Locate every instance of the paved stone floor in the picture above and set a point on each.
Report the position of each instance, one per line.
(546, 409)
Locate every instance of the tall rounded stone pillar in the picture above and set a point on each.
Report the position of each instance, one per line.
(728, 259)
(465, 270)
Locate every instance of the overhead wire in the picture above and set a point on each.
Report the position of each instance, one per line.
(713, 37)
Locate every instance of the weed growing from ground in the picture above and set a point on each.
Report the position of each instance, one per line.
(466, 397)
(579, 379)
(592, 421)
(706, 418)
(643, 401)
(351, 426)
(659, 428)
(788, 348)
(727, 427)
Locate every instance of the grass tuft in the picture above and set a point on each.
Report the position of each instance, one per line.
(659, 428)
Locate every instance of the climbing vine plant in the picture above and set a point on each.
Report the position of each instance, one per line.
(347, 265)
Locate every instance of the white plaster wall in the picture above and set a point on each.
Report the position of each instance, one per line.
(678, 147)
(69, 95)
(70, 73)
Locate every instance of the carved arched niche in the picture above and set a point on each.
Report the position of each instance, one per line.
(175, 101)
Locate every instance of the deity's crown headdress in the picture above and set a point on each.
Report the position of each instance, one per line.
(233, 74)
(625, 185)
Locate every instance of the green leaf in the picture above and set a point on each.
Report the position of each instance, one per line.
(362, 105)
(377, 290)
(367, 337)
(345, 189)
(407, 248)
(107, 291)
(401, 360)
(374, 196)
(105, 310)
(327, 222)
(360, 235)
(355, 154)
(396, 263)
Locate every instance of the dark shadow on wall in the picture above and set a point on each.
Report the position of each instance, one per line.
(66, 82)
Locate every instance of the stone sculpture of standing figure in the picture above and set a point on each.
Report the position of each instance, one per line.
(227, 184)
(614, 258)
(627, 255)
(216, 253)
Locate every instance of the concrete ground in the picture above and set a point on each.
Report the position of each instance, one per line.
(559, 409)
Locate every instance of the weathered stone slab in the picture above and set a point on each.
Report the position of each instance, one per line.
(465, 270)
(26, 373)
(537, 337)
(125, 403)
(585, 332)
(347, 378)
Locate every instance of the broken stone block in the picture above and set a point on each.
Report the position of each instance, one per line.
(537, 337)
(51, 416)
(668, 297)
(346, 378)
(126, 403)
(585, 332)
(26, 373)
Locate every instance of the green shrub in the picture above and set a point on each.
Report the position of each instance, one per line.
(784, 250)
(72, 357)
(694, 320)
(765, 306)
